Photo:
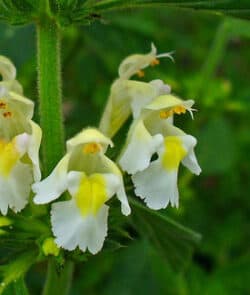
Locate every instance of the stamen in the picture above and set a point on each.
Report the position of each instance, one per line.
(179, 110)
(140, 74)
(167, 54)
(91, 148)
(154, 62)
(176, 110)
(7, 114)
(165, 114)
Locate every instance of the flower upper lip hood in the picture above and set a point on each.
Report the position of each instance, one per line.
(8, 73)
(168, 101)
(15, 110)
(89, 135)
(7, 69)
(134, 63)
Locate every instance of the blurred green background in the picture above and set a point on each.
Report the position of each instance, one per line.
(212, 66)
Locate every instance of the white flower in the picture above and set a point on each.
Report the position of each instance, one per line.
(134, 64)
(91, 179)
(19, 167)
(20, 140)
(157, 184)
(152, 133)
(127, 95)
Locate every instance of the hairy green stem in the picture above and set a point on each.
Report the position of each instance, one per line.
(49, 83)
(50, 101)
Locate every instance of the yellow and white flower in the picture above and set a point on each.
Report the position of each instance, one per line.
(127, 95)
(152, 133)
(19, 162)
(20, 140)
(91, 179)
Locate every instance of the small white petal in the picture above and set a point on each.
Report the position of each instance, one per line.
(22, 142)
(71, 229)
(157, 186)
(15, 189)
(7, 69)
(66, 221)
(190, 160)
(54, 185)
(160, 87)
(112, 183)
(139, 94)
(139, 148)
(3, 90)
(191, 163)
(73, 181)
(33, 149)
(96, 228)
(122, 197)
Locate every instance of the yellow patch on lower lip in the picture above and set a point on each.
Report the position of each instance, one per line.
(174, 153)
(92, 194)
(9, 156)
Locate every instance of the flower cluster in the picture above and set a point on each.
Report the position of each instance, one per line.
(85, 178)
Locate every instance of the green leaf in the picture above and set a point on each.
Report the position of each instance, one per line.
(172, 241)
(20, 287)
(17, 12)
(239, 8)
(16, 269)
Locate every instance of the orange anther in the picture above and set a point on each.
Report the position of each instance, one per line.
(165, 114)
(179, 110)
(154, 62)
(91, 148)
(140, 74)
(7, 114)
(2, 105)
